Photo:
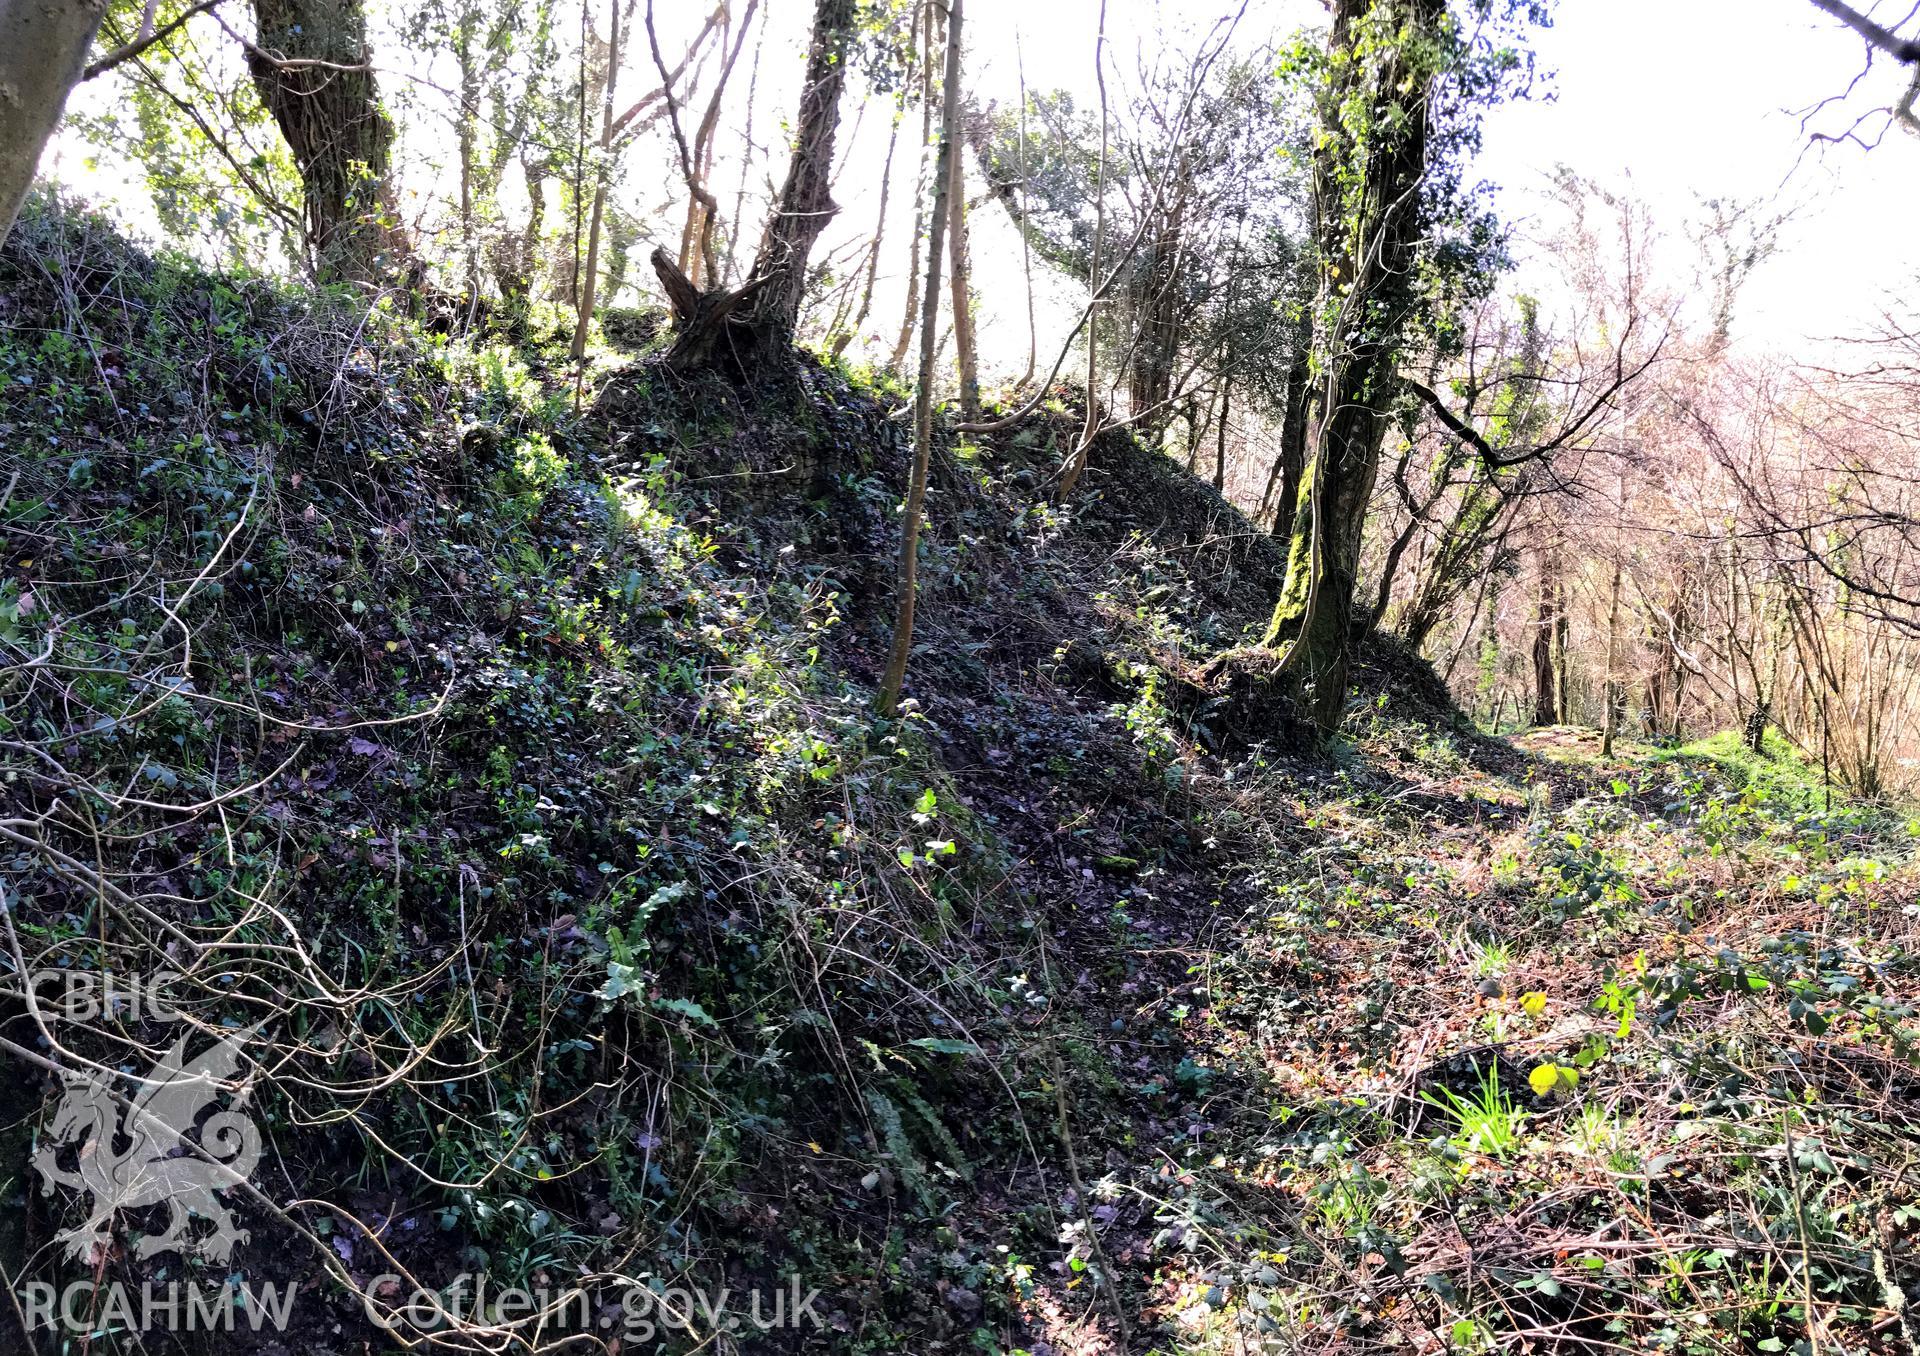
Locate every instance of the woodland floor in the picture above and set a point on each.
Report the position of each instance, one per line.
(1054, 1017)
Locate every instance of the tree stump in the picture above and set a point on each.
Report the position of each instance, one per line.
(709, 330)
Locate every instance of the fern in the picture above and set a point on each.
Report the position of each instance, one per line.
(893, 1133)
(947, 1148)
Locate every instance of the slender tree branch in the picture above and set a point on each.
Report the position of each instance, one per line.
(668, 78)
(1494, 459)
(149, 37)
(1904, 50)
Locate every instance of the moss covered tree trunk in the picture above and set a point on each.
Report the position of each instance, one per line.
(1367, 174)
(1314, 617)
(314, 73)
(1293, 437)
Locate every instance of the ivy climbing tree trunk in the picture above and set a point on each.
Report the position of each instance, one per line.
(805, 204)
(1367, 220)
(311, 64)
(753, 325)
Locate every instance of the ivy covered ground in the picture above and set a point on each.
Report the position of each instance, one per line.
(497, 752)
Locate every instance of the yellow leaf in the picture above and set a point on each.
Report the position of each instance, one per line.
(1544, 1079)
(815, 1147)
(1533, 1004)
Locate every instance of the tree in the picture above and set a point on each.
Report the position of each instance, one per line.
(583, 302)
(43, 48)
(755, 323)
(888, 698)
(1282, 496)
(314, 71)
(1377, 76)
(1209, 210)
(1090, 197)
(1401, 248)
(1549, 634)
(1880, 40)
(696, 260)
(912, 310)
(964, 347)
(804, 205)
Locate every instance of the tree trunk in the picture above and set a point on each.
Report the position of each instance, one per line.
(1366, 284)
(1546, 698)
(1611, 693)
(1026, 247)
(804, 205)
(1220, 436)
(463, 38)
(583, 320)
(1156, 338)
(965, 354)
(1469, 545)
(1562, 634)
(703, 209)
(1077, 462)
(752, 327)
(1291, 464)
(1314, 617)
(329, 112)
(514, 258)
(43, 47)
(888, 698)
(919, 190)
(746, 154)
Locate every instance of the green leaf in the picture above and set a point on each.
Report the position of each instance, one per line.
(686, 1007)
(619, 981)
(942, 1045)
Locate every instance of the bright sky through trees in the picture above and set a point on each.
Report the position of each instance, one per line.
(1679, 99)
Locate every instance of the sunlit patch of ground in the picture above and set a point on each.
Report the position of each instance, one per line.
(1629, 1068)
